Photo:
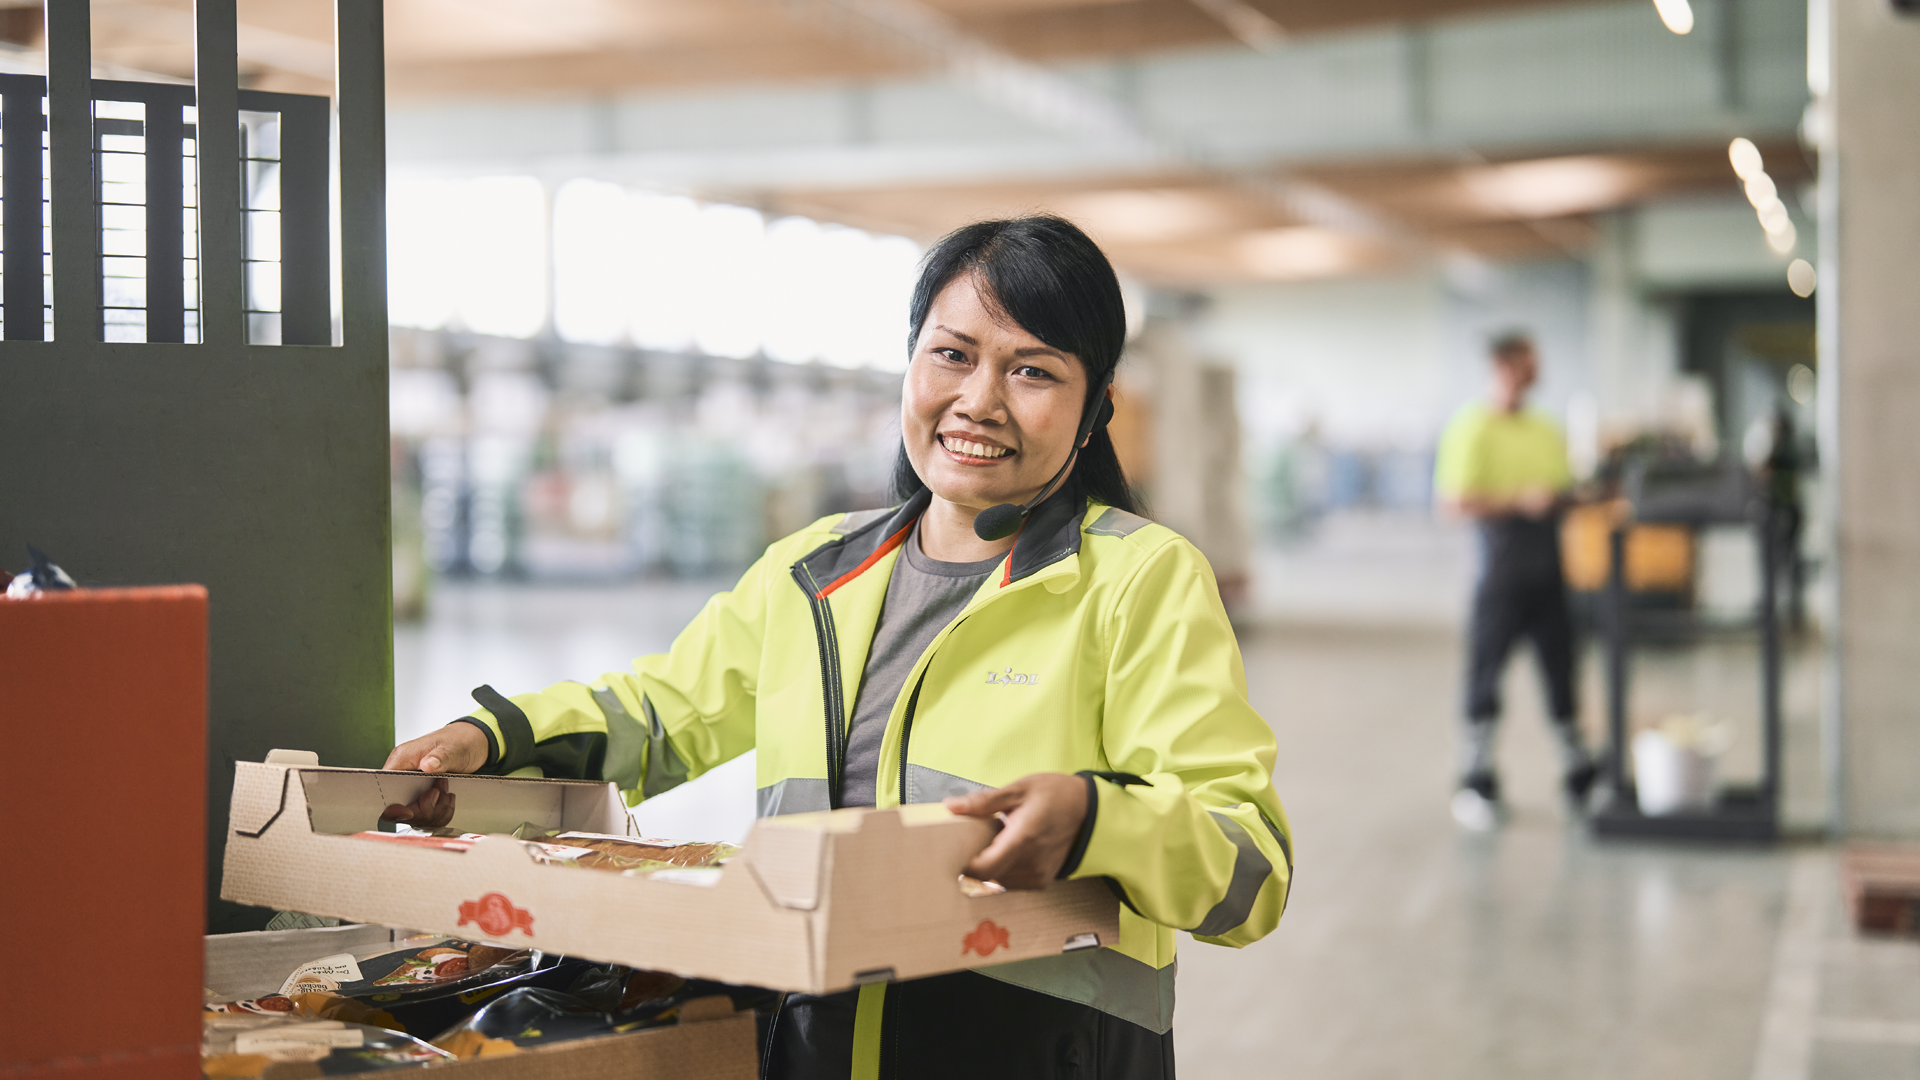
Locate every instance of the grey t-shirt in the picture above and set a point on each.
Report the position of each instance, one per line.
(923, 596)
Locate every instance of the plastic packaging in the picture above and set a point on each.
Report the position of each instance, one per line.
(423, 986)
(626, 854)
(594, 851)
(240, 1046)
(603, 1001)
(43, 577)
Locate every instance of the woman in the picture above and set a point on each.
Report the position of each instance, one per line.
(1077, 677)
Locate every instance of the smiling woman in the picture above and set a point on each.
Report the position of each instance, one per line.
(1076, 680)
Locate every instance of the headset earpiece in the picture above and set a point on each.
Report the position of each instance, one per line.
(1002, 521)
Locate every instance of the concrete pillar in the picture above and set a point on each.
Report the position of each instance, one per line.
(1870, 400)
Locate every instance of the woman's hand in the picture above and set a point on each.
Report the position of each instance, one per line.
(1041, 815)
(456, 748)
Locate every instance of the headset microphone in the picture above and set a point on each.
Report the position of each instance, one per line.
(1002, 521)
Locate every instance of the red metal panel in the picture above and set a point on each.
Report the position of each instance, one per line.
(103, 705)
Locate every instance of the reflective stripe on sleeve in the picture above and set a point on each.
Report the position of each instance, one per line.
(626, 741)
(1250, 871)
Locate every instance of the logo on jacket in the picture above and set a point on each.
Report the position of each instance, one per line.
(984, 938)
(1010, 678)
(495, 915)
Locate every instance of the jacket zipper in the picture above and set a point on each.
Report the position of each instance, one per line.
(830, 683)
(913, 702)
(906, 728)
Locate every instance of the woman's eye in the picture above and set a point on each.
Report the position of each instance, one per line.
(1032, 372)
(954, 355)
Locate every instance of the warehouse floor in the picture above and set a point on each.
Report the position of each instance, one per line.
(1410, 948)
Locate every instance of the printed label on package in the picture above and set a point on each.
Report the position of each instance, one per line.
(288, 1038)
(322, 975)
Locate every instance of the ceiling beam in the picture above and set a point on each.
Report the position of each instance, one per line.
(1047, 97)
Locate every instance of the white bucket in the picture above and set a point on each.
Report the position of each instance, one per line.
(1673, 767)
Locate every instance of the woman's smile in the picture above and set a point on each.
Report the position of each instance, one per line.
(973, 450)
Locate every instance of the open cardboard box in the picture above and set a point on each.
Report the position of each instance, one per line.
(711, 1041)
(814, 903)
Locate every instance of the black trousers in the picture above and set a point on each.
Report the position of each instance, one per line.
(965, 1026)
(1505, 610)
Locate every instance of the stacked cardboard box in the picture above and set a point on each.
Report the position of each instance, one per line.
(1882, 885)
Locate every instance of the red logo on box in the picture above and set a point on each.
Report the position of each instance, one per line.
(984, 938)
(495, 915)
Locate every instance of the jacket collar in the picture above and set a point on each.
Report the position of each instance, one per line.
(1051, 533)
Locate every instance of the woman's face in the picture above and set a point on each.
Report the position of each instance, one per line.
(989, 412)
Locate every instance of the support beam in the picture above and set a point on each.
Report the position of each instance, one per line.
(216, 77)
(76, 229)
(1869, 392)
(360, 94)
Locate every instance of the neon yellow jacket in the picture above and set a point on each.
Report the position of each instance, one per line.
(1100, 645)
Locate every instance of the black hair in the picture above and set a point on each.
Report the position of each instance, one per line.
(1508, 344)
(1054, 282)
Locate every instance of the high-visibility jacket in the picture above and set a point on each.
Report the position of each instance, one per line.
(1099, 645)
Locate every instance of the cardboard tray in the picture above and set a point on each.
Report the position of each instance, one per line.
(711, 1041)
(815, 903)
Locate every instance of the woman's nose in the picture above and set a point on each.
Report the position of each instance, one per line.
(981, 397)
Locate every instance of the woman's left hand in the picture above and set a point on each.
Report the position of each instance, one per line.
(1042, 818)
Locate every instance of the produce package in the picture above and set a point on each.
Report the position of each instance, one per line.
(242, 1045)
(418, 985)
(606, 1001)
(593, 851)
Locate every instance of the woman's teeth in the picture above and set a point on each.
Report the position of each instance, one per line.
(973, 449)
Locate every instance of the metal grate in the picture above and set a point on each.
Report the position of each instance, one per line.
(145, 172)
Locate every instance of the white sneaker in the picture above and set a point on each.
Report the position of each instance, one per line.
(1474, 811)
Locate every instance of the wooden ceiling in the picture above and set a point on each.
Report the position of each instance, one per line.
(1063, 29)
(494, 47)
(1184, 229)
(1179, 228)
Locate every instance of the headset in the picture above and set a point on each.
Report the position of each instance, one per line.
(1002, 521)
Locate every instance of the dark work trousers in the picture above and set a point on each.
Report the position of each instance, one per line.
(965, 1026)
(1521, 594)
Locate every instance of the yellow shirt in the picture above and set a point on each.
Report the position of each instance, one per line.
(1487, 453)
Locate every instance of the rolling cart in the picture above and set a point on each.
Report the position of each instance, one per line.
(1748, 813)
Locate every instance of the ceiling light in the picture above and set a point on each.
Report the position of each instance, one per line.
(1142, 216)
(1300, 252)
(1677, 14)
(1554, 187)
(1801, 381)
(1802, 279)
(1764, 194)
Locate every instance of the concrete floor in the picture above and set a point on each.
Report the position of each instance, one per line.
(1410, 948)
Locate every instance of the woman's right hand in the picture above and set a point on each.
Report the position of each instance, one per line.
(457, 748)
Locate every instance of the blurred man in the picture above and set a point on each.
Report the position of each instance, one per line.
(1505, 466)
